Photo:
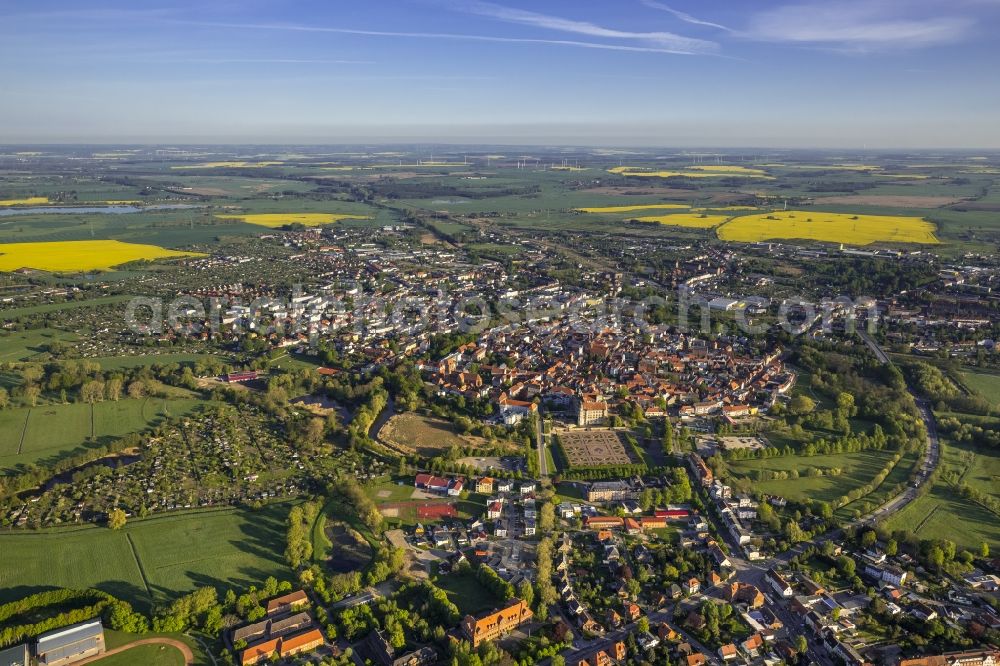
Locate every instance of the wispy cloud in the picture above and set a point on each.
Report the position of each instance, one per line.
(292, 27)
(855, 26)
(256, 61)
(666, 41)
(687, 18)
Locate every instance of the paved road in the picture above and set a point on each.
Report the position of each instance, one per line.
(932, 454)
(874, 346)
(181, 646)
(543, 463)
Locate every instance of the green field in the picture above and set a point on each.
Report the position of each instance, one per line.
(147, 655)
(869, 503)
(858, 469)
(153, 560)
(943, 514)
(115, 639)
(986, 384)
(122, 362)
(390, 491)
(59, 307)
(25, 345)
(467, 593)
(44, 434)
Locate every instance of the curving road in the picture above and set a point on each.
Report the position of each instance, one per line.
(932, 454)
(180, 645)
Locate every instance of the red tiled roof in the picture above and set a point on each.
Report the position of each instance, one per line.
(297, 641)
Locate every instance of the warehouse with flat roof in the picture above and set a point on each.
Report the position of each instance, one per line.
(70, 644)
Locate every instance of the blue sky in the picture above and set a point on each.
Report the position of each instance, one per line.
(839, 73)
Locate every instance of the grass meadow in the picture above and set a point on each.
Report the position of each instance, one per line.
(986, 384)
(858, 469)
(44, 434)
(943, 514)
(153, 560)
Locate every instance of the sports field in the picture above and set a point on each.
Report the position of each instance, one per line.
(147, 655)
(151, 560)
(81, 255)
(828, 227)
(37, 435)
(274, 220)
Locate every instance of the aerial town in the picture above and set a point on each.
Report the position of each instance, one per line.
(499, 333)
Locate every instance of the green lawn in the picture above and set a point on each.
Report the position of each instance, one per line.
(943, 514)
(467, 593)
(46, 433)
(120, 362)
(67, 305)
(115, 639)
(151, 560)
(858, 469)
(388, 490)
(986, 384)
(25, 345)
(899, 474)
(147, 655)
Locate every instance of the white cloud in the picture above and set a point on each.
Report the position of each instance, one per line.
(687, 18)
(291, 27)
(868, 26)
(666, 41)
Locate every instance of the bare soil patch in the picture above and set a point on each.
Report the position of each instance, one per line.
(890, 200)
(424, 435)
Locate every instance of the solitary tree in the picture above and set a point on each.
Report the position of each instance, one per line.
(116, 519)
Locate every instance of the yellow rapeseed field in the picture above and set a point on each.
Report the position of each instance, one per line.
(828, 227)
(220, 165)
(625, 209)
(836, 167)
(87, 255)
(703, 209)
(730, 170)
(691, 220)
(28, 201)
(702, 173)
(281, 219)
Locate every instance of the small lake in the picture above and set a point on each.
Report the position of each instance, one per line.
(88, 210)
